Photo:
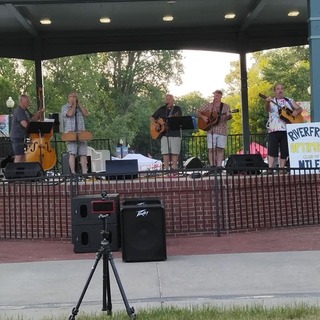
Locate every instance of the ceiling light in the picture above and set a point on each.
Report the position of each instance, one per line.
(167, 18)
(45, 21)
(293, 13)
(105, 20)
(171, 1)
(230, 16)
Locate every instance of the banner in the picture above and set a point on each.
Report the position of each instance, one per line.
(304, 144)
(4, 125)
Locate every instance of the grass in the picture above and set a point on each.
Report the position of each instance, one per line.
(258, 312)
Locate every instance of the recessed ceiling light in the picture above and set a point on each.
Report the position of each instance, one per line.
(45, 21)
(230, 16)
(105, 20)
(171, 1)
(293, 13)
(167, 18)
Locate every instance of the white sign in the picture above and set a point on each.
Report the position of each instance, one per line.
(304, 144)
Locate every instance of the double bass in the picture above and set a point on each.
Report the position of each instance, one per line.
(40, 149)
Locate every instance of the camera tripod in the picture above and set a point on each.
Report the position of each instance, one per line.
(105, 252)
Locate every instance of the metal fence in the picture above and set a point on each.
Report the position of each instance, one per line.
(192, 146)
(195, 202)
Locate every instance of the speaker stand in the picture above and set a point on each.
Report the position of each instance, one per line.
(105, 252)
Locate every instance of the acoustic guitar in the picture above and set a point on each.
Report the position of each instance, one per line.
(159, 128)
(285, 113)
(213, 119)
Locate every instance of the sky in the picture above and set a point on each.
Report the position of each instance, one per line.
(204, 71)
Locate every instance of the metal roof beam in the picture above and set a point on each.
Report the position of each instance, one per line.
(253, 14)
(26, 23)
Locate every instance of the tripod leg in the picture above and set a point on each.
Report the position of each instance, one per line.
(75, 310)
(130, 310)
(106, 287)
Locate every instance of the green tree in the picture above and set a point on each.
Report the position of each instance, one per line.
(291, 67)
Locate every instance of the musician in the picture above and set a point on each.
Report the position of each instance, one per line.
(18, 133)
(277, 132)
(171, 141)
(218, 134)
(73, 117)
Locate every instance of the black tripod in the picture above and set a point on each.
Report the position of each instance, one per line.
(105, 252)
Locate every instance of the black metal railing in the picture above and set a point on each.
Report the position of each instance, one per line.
(195, 201)
(192, 146)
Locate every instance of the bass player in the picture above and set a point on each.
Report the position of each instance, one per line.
(170, 140)
(216, 114)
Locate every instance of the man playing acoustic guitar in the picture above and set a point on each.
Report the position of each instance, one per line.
(277, 131)
(214, 116)
(170, 139)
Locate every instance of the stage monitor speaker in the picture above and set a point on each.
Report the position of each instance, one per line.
(143, 233)
(23, 170)
(193, 163)
(238, 163)
(122, 169)
(81, 209)
(87, 238)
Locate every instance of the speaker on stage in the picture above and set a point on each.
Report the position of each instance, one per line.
(243, 162)
(193, 163)
(16, 170)
(143, 233)
(122, 169)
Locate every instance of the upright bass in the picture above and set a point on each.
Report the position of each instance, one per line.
(40, 149)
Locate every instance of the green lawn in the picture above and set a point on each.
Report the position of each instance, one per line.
(208, 313)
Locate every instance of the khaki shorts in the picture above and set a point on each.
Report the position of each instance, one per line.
(170, 145)
(79, 148)
(219, 141)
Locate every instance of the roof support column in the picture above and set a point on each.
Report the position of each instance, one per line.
(38, 72)
(314, 44)
(245, 104)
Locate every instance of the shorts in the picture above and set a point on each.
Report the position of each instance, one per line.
(216, 141)
(275, 140)
(77, 148)
(18, 146)
(170, 145)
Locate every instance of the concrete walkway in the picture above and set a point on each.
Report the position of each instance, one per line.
(52, 288)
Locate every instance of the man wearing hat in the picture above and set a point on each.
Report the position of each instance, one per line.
(216, 114)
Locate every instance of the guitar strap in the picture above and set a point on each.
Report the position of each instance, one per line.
(289, 102)
(220, 112)
(171, 112)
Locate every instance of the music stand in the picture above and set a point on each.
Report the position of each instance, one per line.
(180, 123)
(39, 128)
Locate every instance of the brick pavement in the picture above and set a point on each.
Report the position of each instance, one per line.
(275, 240)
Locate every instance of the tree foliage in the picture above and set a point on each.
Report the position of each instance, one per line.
(289, 66)
(120, 89)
